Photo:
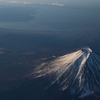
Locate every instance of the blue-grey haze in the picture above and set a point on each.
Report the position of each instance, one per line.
(50, 17)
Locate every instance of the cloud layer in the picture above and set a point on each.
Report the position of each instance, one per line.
(51, 2)
(15, 2)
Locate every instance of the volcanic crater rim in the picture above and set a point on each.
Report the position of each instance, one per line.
(87, 49)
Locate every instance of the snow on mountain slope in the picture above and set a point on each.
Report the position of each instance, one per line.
(78, 71)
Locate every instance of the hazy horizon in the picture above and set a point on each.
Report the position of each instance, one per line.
(53, 16)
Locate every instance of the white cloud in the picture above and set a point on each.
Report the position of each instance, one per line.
(57, 4)
(12, 2)
(54, 2)
(30, 2)
(15, 2)
(27, 2)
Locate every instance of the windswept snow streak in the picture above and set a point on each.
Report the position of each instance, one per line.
(78, 71)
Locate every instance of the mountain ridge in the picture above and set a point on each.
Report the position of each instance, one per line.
(79, 72)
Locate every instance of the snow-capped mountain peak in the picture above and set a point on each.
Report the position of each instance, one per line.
(79, 72)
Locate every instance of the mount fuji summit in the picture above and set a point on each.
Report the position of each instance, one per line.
(77, 72)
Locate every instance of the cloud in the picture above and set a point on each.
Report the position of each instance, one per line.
(28, 3)
(15, 2)
(31, 2)
(57, 4)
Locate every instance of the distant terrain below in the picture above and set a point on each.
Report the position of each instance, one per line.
(22, 51)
